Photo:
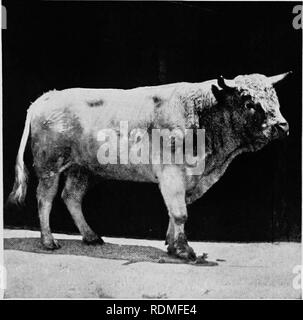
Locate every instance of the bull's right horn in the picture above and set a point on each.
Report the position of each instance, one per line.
(275, 79)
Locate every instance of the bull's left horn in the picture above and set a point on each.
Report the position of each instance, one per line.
(275, 79)
(226, 84)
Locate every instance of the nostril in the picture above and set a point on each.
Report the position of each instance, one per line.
(283, 126)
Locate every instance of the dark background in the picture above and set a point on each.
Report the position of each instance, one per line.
(58, 45)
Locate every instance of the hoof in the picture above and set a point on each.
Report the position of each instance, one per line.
(171, 250)
(51, 244)
(93, 240)
(181, 249)
(187, 254)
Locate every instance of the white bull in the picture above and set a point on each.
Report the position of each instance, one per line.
(236, 115)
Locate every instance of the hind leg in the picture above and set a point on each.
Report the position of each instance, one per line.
(46, 191)
(72, 194)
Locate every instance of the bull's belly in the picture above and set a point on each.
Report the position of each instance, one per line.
(126, 172)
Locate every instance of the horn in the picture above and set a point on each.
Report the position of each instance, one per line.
(275, 79)
(226, 84)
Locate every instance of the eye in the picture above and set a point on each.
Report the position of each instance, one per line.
(249, 105)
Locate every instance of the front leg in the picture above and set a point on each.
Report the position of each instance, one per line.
(172, 186)
(170, 232)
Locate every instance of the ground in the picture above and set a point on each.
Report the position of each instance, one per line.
(129, 268)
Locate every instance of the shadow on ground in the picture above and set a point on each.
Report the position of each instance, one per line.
(130, 253)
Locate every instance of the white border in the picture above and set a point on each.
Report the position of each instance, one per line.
(1, 171)
(1, 156)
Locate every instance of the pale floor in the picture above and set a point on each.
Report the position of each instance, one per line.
(244, 271)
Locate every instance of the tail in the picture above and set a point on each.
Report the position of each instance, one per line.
(18, 193)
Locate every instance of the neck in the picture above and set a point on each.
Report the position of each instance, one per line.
(203, 111)
(197, 97)
(222, 144)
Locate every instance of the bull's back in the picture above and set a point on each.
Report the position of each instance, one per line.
(103, 105)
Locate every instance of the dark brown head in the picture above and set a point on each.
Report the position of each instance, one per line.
(253, 105)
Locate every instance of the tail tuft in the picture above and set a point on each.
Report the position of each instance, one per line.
(17, 196)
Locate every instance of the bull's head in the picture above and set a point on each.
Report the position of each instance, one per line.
(252, 104)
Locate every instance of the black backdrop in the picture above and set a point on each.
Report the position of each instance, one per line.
(58, 45)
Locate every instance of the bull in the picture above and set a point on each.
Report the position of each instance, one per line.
(238, 115)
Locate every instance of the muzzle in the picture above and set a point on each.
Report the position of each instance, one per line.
(282, 129)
